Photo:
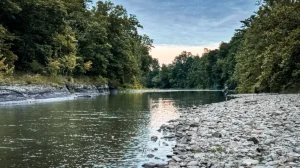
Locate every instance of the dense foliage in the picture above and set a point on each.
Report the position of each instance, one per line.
(262, 56)
(64, 38)
(269, 58)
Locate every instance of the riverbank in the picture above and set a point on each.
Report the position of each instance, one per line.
(20, 93)
(252, 131)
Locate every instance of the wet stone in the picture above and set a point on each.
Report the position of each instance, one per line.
(149, 165)
(154, 138)
(150, 155)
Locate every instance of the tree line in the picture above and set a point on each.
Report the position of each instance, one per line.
(66, 38)
(262, 56)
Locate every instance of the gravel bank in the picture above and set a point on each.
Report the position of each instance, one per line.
(250, 131)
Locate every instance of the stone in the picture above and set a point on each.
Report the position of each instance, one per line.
(297, 150)
(192, 163)
(195, 148)
(194, 125)
(199, 155)
(197, 120)
(183, 164)
(249, 162)
(174, 165)
(217, 135)
(149, 165)
(154, 138)
(169, 155)
(165, 143)
(269, 141)
(170, 126)
(234, 134)
(150, 155)
(254, 140)
(177, 159)
(161, 165)
(272, 163)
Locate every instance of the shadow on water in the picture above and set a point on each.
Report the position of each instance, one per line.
(112, 131)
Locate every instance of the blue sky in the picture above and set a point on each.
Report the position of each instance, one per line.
(189, 23)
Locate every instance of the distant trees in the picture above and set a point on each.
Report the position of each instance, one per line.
(264, 55)
(210, 71)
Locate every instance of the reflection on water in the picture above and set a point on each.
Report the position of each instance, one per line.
(161, 112)
(107, 131)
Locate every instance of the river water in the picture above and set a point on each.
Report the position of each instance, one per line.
(105, 131)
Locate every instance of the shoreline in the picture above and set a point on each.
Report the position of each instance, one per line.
(28, 94)
(261, 130)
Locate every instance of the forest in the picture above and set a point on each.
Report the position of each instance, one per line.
(68, 40)
(262, 56)
(65, 38)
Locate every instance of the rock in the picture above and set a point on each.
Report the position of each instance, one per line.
(170, 126)
(254, 140)
(291, 129)
(199, 156)
(197, 120)
(194, 125)
(174, 165)
(150, 155)
(154, 138)
(272, 163)
(223, 132)
(162, 165)
(192, 163)
(250, 162)
(149, 165)
(259, 149)
(165, 143)
(238, 134)
(177, 159)
(169, 155)
(297, 150)
(269, 141)
(194, 148)
(183, 164)
(217, 135)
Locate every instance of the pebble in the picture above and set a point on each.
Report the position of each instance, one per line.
(249, 131)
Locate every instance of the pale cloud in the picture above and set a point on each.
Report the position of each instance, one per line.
(187, 25)
(166, 53)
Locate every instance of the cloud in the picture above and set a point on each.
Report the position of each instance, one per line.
(191, 25)
(166, 53)
(192, 22)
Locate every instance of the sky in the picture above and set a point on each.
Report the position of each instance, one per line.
(187, 25)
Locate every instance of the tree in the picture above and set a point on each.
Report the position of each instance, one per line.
(180, 69)
(268, 60)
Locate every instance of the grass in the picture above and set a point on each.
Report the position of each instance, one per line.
(55, 81)
(217, 149)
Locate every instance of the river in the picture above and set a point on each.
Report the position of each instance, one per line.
(105, 131)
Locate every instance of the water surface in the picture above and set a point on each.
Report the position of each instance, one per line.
(105, 131)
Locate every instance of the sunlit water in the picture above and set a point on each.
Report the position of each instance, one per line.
(106, 131)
